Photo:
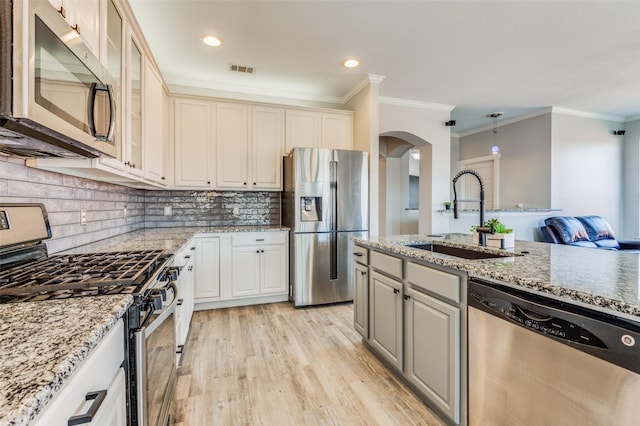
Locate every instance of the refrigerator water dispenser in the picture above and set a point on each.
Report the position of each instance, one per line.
(310, 209)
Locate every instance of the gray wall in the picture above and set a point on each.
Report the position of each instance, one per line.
(64, 196)
(631, 181)
(525, 160)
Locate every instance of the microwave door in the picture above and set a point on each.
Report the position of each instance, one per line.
(67, 88)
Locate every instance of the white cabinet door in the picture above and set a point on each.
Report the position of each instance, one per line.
(274, 269)
(207, 268)
(155, 140)
(84, 17)
(267, 147)
(245, 271)
(361, 299)
(433, 350)
(186, 294)
(337, 131)
(194, 144)
(386, 318)
(302, 129)
(232, 144)
(114, 408)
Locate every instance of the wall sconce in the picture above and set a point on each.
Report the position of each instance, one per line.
(619, 132)
(495, 149)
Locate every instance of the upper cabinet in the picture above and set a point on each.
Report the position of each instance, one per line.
(313, 129)
(194, 142)
(156, 128)
(249, 147)
(132, 147)
(83, 16)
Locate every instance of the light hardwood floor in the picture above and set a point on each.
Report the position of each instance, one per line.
(277, 365)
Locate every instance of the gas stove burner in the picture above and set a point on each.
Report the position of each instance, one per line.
(63, 276)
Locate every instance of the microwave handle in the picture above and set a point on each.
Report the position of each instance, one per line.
(93, 91)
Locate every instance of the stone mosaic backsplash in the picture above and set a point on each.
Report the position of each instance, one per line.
(211, 208)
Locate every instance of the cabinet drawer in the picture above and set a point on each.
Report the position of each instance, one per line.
(96, 373)
(434, 281)
(259, 238)
(361, 255)
(387, 264)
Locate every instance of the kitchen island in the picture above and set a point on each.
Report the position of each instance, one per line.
(411, 305)
(608, 281)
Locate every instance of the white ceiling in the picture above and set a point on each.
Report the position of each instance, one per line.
(516, 57)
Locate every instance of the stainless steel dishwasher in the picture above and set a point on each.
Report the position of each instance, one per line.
(538, 361)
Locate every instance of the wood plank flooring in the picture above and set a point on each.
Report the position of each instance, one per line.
(277, 365)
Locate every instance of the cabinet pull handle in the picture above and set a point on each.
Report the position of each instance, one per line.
(62, 11)
(180, 349)
(76, 28)
(396, 291)
(358, 254)
(187, 256)
(191, 268)
(180, 302)
(259, 239)
(192, 248)
(98, 398)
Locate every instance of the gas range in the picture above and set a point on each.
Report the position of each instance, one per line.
(77, 275)
(29, 274)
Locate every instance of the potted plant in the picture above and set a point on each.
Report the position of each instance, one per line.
(447, 205)
(502, 236)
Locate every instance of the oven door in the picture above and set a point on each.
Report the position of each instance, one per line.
(155, 362)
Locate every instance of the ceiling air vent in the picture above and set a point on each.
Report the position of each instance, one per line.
(242, 69)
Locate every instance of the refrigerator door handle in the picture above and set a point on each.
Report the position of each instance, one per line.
(333, 261)
(333, 175)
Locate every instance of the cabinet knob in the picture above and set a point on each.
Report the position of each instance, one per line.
(190, 268)
(254, 183)
(261, 251)
(162, 178)
(257, 251)
(208, 182)
(407, 297)
(244, 183)
(396, 291)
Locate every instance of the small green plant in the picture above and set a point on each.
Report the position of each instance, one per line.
(447, 205)
(497, 226)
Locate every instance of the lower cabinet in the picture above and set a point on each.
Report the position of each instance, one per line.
(259, 264)
(100, 373)
(386, 318)
(414, 323)
(361, 299)
(185, 304)
(207, 269)
(433, 350)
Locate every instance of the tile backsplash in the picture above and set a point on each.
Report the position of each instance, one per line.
(64, 196)
(211, 208)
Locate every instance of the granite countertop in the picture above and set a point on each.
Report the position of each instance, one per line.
(42, 344)
(168, 239)
(606, 280)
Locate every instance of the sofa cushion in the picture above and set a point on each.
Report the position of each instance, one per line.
(568, 229)
(597, 228)
(588, 244)
(607, 244)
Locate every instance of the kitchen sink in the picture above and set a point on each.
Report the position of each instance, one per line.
(458, 251)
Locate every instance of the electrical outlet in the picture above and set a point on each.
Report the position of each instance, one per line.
(83, 216)
(124, 213)
(236, 211)
(168, 211)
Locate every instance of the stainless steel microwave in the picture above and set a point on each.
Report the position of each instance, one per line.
(59, 100)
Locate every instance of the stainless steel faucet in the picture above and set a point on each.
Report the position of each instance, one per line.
(482, 230)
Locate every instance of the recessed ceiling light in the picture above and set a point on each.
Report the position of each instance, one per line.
(211, 40)
(350, 63)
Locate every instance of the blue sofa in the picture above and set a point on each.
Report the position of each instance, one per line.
(585, 231)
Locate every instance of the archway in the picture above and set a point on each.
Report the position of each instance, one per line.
(399, 180)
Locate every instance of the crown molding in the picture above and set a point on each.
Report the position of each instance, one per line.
(369, 79)
(632, 118)
(505, 122)
(586, 114)
(415, 104)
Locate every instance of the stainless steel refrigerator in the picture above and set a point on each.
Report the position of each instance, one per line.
(324, 202)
